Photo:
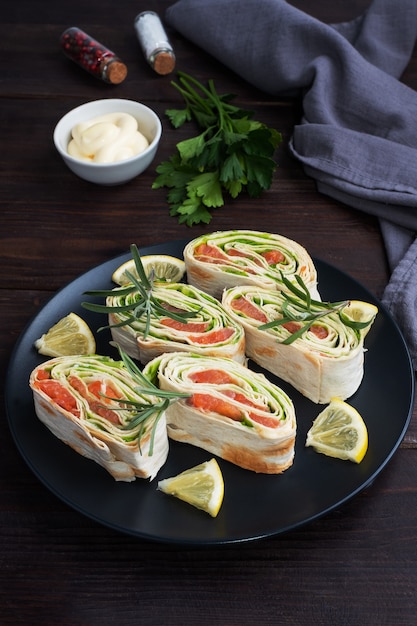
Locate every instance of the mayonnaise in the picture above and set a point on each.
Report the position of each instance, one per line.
(107, 139)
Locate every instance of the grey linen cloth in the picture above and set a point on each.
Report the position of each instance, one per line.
(358, 134)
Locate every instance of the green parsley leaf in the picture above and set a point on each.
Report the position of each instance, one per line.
(231, 170)
(192, 211)
(207, 187)
(191, 148)
(232, 154)
(178, 117)
(259, 169)
(234, 187)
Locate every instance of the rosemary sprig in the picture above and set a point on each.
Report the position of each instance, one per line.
(144, 305)
(143, 411)
(298, 306)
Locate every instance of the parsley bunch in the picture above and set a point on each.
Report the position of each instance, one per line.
(232, 154)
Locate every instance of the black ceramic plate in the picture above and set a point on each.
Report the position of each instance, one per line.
(255, 505)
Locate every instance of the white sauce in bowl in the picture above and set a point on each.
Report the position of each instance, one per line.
(107, 139)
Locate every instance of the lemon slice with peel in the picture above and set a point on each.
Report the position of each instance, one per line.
(70, 336)
(165, 268)
(201, 486)
(359, 314)
(339, 431)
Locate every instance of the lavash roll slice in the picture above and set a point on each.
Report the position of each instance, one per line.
(326, 361)
(209, 331)
(225, 259)
(232, 412)
(68, 397)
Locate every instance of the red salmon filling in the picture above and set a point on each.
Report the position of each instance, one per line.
(192, 327)
(209, 254)
(205, 338)
(208, 403)
(214, 377)
(212, 254)
(215, 336)
(320, 331)
(243, 305)
(64, 398)
(61, 396)
(273, 257)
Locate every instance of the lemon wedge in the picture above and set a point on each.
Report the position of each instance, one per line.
(201, 486)
(362, 314)
(339, 431)
(166, 268)
(70, 336)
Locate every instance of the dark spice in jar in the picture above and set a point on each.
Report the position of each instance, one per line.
(92, 56)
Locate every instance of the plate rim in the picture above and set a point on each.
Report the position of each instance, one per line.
(210, 540)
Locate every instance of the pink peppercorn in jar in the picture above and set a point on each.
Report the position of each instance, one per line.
(92, 56)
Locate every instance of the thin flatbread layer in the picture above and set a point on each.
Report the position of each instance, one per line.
(225, 259)
(232, 412)
(94, 425)
(210, 330)
(327, 361)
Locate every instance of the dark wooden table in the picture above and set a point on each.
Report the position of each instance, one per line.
(358, 564)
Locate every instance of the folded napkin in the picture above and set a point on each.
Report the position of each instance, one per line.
(358, 134)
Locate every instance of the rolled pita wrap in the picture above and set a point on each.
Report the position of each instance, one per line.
(225, 259)
(232, 412)
(91, 404)
(325, 361)
(209, 331)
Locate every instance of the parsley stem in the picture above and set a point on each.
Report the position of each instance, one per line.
(191, 96)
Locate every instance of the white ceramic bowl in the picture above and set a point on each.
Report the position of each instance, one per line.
(119, 172)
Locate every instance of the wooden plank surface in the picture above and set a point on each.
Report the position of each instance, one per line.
(356, 565)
